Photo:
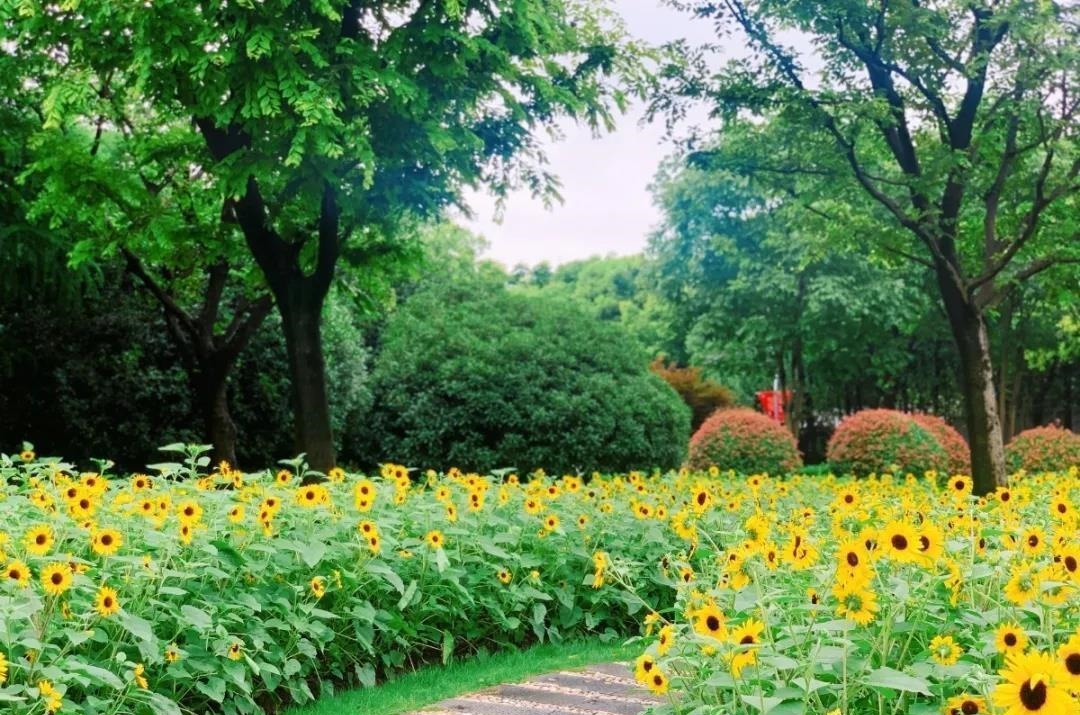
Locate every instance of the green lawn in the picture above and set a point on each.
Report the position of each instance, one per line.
(430, 685)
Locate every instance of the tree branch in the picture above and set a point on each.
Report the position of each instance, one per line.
(136, 268)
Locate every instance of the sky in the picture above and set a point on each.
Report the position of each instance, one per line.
(607, 207)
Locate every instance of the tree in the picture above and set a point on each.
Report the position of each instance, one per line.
(956, 119)
(328, 122)
(476, 376)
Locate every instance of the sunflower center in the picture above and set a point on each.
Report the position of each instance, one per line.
(1071, 564)
(40, 540)
(899, 542)
(1072, 663)
(925, 542)
(1010, 639)
(57, 578)
(848, 498)
(959, 484)
(701, 497)
(746, 640)
(969, 707)
(107, 602)
(1033, 697)
(1033, 541)
(712, 623)
(1062, 508)
(852, 559)
(106, 540)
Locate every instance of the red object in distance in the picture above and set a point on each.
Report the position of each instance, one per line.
(773, 402)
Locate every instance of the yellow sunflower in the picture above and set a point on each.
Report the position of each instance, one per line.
(1033, 683)
(1024, 585)
(944, 650)
(39, 539)
(709, 621)
(106, 602)
(901, 542)
(56, 578)
(18, 572)
(435, 539)
(965, 705)
(1010, 638)
(1069, 655)
(106, 542)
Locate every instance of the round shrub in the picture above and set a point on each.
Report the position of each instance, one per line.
(746, 441)
(1043, 449)
(478, 377)
(955, 446)
(875, 441)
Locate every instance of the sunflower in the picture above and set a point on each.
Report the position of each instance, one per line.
(1032, 541)
(18, 572)
(1024, 585)
(965, 705)
(960, 485)
(901, 542)
(318, 587)
(657, 682)
(52, 697)
(709, 621)
(106, 602)
(106, 542)
(504, 576)
(853, 562)
(236, 650)
(931, 542)
(1033, 683)
(1010, 638)
(856, 602)
(139, 674)
(1069, 655)
(3, 668)
(643, 667)
(944, 650)
(190, 512)
(551, 522)
(748, 637)
(172, 653)
(236, 514)
(39, 539)
(435, 539)
(283, 477)
(27, 455)
(665, 639)
(1068, 558)
(56, 578)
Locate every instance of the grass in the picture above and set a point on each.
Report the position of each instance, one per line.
(430, 685)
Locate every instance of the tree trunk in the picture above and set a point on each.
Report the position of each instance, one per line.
(212, 394)
(301, 316)
(977, 382)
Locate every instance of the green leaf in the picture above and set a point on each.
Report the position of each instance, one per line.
(198, 618)
(895, 680)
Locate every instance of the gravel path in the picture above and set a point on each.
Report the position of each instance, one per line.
(596, 690)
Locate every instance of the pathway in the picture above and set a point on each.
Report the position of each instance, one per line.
(596, 690)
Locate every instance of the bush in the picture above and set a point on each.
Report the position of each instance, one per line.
(1043, 449)
(875, 441)
(474, 376)
(701, 395)
(746, 441)
(955, 446)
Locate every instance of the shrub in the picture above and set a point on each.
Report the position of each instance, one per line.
(955, 446)
(474, 376)
(1043, 449)
(746, 441)
(701, 395)
(875, 441)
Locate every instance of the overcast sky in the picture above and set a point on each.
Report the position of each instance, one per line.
(607, 207)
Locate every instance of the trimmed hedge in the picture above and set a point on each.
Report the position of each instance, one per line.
(876, 441)
(746, 441)
(955, 446)
(1043, 449)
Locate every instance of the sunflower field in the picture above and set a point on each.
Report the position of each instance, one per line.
(203, 589)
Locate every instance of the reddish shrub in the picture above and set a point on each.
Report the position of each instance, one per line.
(746, 441)
(955, 446)
(1043, 449)
(882, 440)
(701, 395)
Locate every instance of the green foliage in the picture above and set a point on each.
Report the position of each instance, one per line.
(879, 441)
(471, 375)
(614, 289)
(745, 441)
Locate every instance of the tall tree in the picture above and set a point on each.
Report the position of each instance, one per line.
(329, 121)
(956, 119)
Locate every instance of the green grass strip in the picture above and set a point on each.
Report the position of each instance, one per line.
(430, 685)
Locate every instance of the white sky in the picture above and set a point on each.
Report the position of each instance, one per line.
(607, 207)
